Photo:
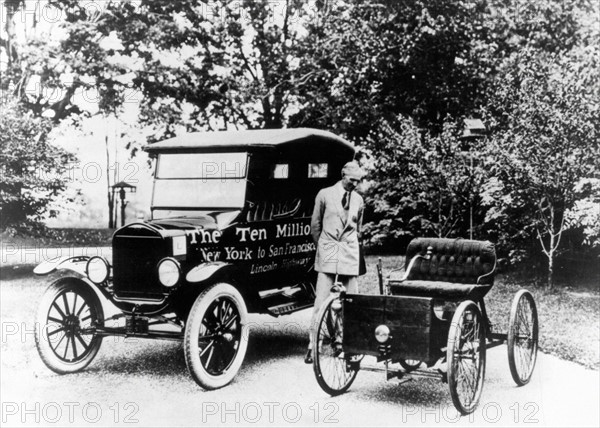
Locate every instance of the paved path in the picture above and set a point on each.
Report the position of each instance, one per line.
(145, 383)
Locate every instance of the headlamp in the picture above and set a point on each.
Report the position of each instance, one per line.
(97, 269)
(382, 333)
(169, 272)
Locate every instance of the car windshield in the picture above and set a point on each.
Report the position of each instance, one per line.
(200, 181)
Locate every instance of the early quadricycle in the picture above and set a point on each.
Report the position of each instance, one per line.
(229, 234)
(432, 322)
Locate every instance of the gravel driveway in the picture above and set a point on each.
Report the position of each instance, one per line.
(146, 383)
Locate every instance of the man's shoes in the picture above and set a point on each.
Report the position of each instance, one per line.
(308, 359)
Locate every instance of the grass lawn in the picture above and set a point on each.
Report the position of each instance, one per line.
(569, 318)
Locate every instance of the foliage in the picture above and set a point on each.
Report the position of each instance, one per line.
(547, 146)
(34, 73)
(32, 169)
(191, 65)
(421, 184)
(436, 62)
(585, 213)
(379, 59)
(395, 77)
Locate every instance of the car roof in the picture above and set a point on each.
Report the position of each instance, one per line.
(247, 139)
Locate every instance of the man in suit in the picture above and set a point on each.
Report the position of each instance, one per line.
(335, 229)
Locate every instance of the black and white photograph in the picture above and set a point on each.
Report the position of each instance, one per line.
(300, 213)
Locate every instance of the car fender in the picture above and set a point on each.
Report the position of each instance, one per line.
(75, 264)
(206, 270)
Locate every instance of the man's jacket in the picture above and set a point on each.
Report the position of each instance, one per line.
(335, 231)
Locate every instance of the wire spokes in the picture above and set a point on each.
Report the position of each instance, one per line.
(466, 357)
(334, 371)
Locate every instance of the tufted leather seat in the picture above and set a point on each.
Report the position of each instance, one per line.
(455, 268)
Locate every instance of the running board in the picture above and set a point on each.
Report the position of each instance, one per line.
(288, 308)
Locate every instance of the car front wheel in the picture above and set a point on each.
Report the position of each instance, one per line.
(66, 321)
(465, 355)
(215, 342)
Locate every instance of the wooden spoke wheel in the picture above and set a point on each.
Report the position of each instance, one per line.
(465, 356)
(522, 337)
(214, 341)
(67, 317)
(334, 371)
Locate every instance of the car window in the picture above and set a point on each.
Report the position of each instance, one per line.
(281, 170)
(202, 165)
(187, 193)
(317, 170)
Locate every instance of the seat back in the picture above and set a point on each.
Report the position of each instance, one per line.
(452, 260)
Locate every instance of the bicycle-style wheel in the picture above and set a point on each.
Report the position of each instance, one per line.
(522, 337)
(465, 356)
(334, 371)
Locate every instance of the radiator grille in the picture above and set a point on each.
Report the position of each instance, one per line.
(134, 265)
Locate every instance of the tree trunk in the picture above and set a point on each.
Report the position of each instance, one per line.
(110, 211)
(110, 192)
(12, 6)
(551, 270)
(551, 249)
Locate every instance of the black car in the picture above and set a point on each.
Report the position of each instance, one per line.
(229, 234)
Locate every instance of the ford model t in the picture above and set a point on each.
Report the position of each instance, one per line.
(429, 322)
(229, 234)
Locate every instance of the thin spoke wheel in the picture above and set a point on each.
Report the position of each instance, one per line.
(67, 317)
(522, 337)
(465, 357)
(334, 371)
(215, 342)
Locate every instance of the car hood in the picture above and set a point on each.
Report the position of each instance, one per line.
(168, 227)
(204, 222)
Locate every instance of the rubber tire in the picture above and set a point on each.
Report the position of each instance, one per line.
(192, 330)
(452, 362)
(514, 371)
(408, 366)
(42, 341)
(321, 380)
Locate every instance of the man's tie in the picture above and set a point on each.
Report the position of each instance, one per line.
(346, 200)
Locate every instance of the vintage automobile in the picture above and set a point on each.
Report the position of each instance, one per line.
(431, 322)
(229, 234)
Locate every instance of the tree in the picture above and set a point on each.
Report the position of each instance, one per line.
(34, 172)
(546, 146)
(32, 71)
(386, 58)
(193, 65)
(420, 184)
(585, 213)
(188, 66)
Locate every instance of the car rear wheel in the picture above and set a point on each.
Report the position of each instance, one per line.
(66, 321)
(522, 337)
(334, 371)
(465, 356)
(214, 341)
